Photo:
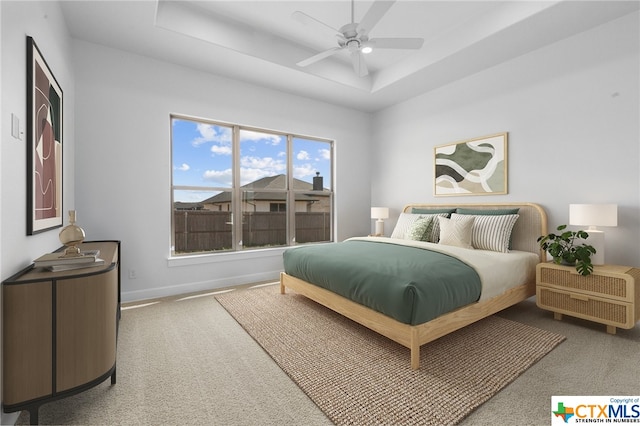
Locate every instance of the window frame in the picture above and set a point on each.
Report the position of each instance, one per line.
(237, 192)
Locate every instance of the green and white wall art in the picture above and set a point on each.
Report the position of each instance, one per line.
(472, 167)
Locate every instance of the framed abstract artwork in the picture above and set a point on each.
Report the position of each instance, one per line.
(472, 167)
(44, 144)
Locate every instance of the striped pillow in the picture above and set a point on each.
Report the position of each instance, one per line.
(491, 232)
(487, 211)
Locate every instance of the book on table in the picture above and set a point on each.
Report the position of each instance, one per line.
(58, 258)
(72, 266)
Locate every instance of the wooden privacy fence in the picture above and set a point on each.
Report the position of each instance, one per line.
(198, 230)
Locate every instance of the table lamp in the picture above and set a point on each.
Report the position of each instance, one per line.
(594, 215)
(379, 213)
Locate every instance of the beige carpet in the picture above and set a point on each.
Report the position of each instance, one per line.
(186, 361)
(358, 377)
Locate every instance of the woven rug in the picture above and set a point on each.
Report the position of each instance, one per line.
(358, 377)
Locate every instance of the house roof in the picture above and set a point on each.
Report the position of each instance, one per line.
(276, 186)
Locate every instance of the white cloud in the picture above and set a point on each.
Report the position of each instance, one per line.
(303, 155)
(270, 165)
(325, 154)
(212, 133)
(251, 175)
(222, 177)
(254, 168)
(220, 150)
(302, 171)
(184, 167)
(248, 135)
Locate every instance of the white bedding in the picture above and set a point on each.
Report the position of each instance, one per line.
(498, 271)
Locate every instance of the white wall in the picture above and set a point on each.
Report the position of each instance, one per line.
(45, 23)
(1, 207)
(571, 110)
(123, 164)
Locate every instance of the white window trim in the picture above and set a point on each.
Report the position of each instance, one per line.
(226, 255)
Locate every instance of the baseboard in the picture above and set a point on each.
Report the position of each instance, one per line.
(9, 418)
(193, 287)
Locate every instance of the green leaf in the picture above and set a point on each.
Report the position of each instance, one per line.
(563, 248)
(583, 235)
(584, 268)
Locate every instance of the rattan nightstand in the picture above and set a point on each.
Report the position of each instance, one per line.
(610, 295)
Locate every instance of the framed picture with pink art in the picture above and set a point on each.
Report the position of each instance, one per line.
(471, 167)
(44, 144)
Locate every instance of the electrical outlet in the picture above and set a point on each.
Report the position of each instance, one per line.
(133, 274)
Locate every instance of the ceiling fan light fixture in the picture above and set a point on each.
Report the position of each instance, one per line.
(354, 37)
(353, 45)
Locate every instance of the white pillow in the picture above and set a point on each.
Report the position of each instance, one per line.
(491, 232)
(406, 221)
(456, 232)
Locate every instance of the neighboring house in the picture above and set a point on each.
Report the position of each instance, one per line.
(268, 195)
(182, 206)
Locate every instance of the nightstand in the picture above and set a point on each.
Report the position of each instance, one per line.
(610, 295)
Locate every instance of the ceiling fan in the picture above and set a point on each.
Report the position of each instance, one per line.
(354, 36)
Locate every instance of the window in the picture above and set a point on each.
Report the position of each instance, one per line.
(238, 188)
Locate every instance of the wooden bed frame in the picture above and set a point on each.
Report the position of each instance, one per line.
(531, 224)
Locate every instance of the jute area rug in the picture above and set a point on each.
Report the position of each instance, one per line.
(358, 377)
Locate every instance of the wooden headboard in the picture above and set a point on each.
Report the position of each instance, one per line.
(531, 224)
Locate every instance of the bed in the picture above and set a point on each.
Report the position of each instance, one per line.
(496, 274)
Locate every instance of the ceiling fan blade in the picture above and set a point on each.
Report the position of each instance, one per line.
(313, 22)
(319, 56)
(373, 15)
(396, 43)
(359, 64)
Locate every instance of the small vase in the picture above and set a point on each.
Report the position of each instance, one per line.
(72, 235)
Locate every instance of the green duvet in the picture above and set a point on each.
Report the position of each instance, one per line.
(411, 284)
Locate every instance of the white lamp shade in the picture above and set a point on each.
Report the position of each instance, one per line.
(593, 214)
(379, 212)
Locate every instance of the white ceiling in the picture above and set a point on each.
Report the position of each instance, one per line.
(259, 41)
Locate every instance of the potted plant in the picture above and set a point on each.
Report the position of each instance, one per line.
(564, 249)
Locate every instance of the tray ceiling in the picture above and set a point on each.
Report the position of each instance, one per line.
(259, 42)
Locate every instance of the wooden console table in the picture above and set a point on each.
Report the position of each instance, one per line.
(60, 330)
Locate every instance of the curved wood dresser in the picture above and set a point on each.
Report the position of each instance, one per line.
(60, 330)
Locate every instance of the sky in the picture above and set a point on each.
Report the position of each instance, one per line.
(202, 157)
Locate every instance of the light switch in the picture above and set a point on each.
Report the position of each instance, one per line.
(15, 126)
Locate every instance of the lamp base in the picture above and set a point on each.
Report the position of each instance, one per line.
(380, 227)
(596, 240)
